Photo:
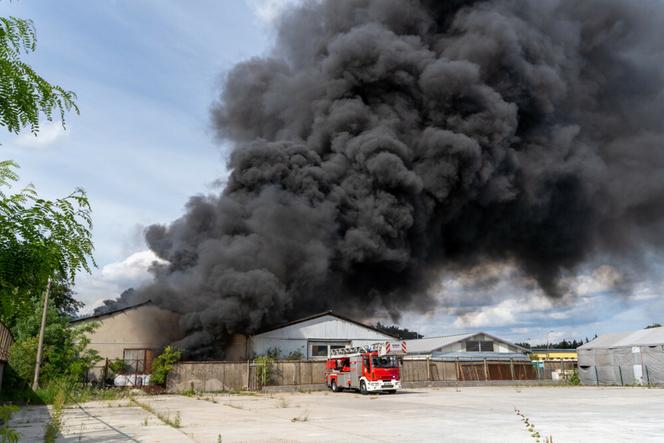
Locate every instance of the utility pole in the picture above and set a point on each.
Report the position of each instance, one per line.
(40, 344)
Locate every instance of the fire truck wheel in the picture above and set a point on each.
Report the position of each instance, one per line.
(363, 388)
(334, 386)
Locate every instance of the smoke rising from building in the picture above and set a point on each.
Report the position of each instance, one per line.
(384, 143)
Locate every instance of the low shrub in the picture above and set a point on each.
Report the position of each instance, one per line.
(6, 433)
(264, 369)
(574, 378)
(163, 364)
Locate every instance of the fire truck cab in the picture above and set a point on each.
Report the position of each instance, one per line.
(373, 368)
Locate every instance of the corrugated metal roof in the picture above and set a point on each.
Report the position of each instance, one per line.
(427, 345)
(322, 314)
(6, 340)
(642, 337)
(463, 356)
(430, 344)
(104, 314)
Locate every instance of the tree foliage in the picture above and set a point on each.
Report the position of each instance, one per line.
(653, 325)
(65, 354)
(24, 94)
(563, 344)
(39, 239)
(163, 364)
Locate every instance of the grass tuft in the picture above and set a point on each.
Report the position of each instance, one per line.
(530, 427)
(54, 424)
(301, 418)
(282, 403)
(175, 422)
(6, 433)
(236, 406)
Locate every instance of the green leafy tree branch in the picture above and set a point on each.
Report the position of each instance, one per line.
(24, 94)
(40, 239)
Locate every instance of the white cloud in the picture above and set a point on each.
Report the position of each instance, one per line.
(268, 11)
(505, 313)
(499, 295)
(49, 133)
(131, 270)
(113, 278)
(601, 279)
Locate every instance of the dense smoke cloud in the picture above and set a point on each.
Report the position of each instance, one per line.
(386, 142)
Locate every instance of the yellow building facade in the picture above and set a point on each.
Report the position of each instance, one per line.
(554, 354)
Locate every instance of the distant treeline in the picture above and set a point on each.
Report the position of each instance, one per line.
(563, 344)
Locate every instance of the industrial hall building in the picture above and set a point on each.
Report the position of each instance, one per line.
(624, 358)
(137, 334)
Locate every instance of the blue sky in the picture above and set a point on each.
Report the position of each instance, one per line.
(146, 72)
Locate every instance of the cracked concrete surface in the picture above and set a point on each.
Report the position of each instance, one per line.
(569, 414)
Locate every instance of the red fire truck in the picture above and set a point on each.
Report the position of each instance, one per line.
(373, 368)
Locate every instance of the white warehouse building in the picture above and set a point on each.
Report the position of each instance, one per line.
(623, 358)
(469, 346)
(311, 338)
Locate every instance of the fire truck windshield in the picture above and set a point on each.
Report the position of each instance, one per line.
(386, 361)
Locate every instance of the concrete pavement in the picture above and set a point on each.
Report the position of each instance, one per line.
(477, 414)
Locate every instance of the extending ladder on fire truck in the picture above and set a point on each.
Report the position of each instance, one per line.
(382, 348)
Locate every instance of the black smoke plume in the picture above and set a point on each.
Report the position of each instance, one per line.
(384, 143)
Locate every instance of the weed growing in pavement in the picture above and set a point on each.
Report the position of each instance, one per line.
(231, 405)
(218, 438)
(530, 427)
(6, 433)
(234, 392)
(54, 424)
(175, 422)
(301, 418)
(574, 379)
(82, 394)
(282, 403)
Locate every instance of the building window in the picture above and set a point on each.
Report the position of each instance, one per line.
(138, 361)
(472, 346)
(322, 349)
(479, 346)
(319, 350)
